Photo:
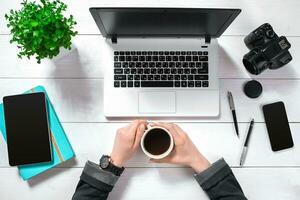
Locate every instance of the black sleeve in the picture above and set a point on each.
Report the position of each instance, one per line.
(219, 182)
(95, 183)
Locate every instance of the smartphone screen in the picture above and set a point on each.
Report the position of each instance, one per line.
(27, 129)
(278, 126)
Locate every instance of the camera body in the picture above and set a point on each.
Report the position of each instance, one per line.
(267, 50)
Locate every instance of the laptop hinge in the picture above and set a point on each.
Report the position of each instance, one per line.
(207, 39)
(114, 39)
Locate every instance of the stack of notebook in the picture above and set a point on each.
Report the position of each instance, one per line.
(61, 147)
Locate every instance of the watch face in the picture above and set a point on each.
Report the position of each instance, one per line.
(104, 162)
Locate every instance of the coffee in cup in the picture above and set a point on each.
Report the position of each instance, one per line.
(157, 142)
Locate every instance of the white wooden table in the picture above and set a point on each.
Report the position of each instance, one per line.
(74, 82)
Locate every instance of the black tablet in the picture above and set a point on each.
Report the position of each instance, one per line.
(27, 129)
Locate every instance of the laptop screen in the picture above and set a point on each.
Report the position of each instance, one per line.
(163, 21)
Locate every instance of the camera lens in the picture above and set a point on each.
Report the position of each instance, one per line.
(254, 62)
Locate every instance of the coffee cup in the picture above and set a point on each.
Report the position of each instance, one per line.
(157, 142)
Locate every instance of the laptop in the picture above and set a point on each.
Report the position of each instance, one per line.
(161, 62)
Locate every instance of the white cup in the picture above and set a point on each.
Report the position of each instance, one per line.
(166, 153)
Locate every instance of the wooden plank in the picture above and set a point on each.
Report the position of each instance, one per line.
(91, 140)
(254, 13)
(81, 100)
(145, 183)
(86, 60)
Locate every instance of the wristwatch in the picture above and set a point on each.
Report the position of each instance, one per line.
(107, 165)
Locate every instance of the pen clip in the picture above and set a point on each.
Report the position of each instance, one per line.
(230, 99)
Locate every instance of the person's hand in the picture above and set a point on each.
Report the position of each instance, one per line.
(184, 152)
(127, 141)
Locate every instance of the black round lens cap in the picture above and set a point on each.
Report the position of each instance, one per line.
(253, 89)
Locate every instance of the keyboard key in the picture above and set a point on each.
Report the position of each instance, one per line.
(130, 84)
(183, 77)
(194, 52)
(170, 77)
(125, 64)
(167, 71)
(177, 77)
(137, 83)
(177, 83)
(132, 53)
(118, 71)
(123, 83)
(151, 64)
(117, 64)
(157, 83)
(193, 71)
(188, 58)
(137, 77)
(163, 77)
(192, 65)
(138, 53)
(178, 64)
(141, 58)
(200, 53)
(122, 53)
(155, 52)
(131, 64)
(148, 58)
(191, 84)
(157, 77)
(175, 58)
(130, 77)
(185, 64)
(203, 58)
(165, 64)
(133, 71)
(160, 71)
(155, 58)
(203, 71)
(188, 53)
(153, 71)
(126, 71)
(116, 58)
(144, 77)
(171, 64)
(181, 58)
(161, 53)
(128, 58)
(161, 58)
(120, 77)
(177, 53)
(201, 77)
(135, 58)
(205, 84)
(158, 64)
(127, 53)
(116, 53)
(183, 84)
(150, 77)
(121, 58)
(197, 83)
(147, 71)
(195, 58)
(140, 71)
(187, 71)
(168, 58)
(198, 64)
(183, 53)
(117, 84)
(144, 53)
(144, 64)
(190, 77)
(180, 71)
(138, 65)
(173, 71)
(149, 52)
(205, 53)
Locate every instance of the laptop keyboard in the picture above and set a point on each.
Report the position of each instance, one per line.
(179, 69)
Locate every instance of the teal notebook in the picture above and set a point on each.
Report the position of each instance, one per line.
(61, 147)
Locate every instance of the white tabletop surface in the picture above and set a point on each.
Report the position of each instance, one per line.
(74, 82)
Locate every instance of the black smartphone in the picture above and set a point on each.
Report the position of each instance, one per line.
(278, 126)
(27, 129)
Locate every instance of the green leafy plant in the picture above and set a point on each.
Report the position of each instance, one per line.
(40, 30)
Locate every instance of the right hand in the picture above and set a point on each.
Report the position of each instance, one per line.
(184, 152)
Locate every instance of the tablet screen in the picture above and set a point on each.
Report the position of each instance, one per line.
(27, 130)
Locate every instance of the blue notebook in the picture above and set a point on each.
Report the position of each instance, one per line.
(61, 147)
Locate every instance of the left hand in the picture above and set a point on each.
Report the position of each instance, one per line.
(127, 141)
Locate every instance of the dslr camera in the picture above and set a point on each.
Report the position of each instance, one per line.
(267, 50)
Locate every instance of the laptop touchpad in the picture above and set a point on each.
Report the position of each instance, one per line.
(157, 102)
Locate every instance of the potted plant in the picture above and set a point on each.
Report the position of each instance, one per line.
(41, 29)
